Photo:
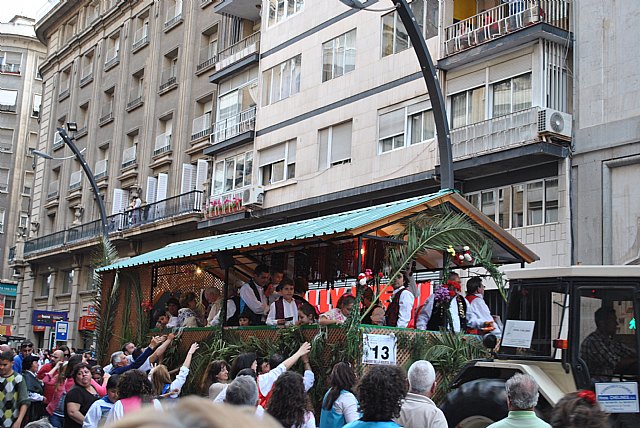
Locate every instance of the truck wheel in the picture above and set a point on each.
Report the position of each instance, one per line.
(476, 404)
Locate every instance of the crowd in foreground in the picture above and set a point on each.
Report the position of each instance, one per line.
(136, 390)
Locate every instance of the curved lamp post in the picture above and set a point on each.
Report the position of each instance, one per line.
(430, 76)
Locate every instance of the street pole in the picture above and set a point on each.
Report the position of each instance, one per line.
(85, 167)
(435, 92)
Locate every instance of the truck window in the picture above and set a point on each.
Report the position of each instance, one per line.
(543, 304)
(607, 333)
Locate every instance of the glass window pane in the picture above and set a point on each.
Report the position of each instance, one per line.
(551, 201)
(474, 199)
(277, 171)
(218, 177)
(534, 203)
(518, 206)
(398, 141)
(239, 176)
(476, 105)
(402, 38)
(501, 98)
(386, 145)
(488, 202)
(327, 61)
(459, 110)
(387, 34)
(428, 125)
(229, 171)
(338, 56)
(415, 122)
(504, 200)
(248, 168)
(291, 170)
(522, 92)
(295, 74)
(291, 7)
(350, 52)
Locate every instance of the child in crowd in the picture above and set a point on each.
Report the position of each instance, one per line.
(244, 320)
(163, 320)
(97, 414)
(162, 387)
(15, 397)
(284, 311)
(338, 315)
(307, 314)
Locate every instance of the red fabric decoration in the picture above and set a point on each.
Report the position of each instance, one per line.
(588, 396)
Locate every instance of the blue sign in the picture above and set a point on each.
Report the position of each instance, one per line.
(62, 331)
(48, 318)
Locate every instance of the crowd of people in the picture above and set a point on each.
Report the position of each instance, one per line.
(270, 297)
(67, 389)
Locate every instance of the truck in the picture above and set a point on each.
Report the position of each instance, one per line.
(553, 319)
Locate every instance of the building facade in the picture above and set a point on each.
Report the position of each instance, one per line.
(20, 95)
(206, 117)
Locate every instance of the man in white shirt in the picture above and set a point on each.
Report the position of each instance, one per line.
(399, 311)
(252, 295)
(431, 318)
(479, 318)
(418, 411)
(284, 311)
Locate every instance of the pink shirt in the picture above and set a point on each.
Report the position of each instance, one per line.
(68, 384)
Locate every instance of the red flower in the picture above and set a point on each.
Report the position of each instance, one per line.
(454, 285)
(452, 293)
(588, 396)
(380, 275)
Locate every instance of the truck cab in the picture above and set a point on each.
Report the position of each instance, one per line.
(583, 325)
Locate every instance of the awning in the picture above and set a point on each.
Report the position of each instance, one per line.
(346, 224)
(8, 289)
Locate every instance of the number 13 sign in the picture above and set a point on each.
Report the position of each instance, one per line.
(378, 349)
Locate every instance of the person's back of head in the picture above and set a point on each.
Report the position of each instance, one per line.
(248, 372)
(578, 410)
(243, 391)
(275, 360)
(380, 393)
(422, 378)
(522, 392)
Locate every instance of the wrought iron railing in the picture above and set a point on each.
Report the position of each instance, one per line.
(208, 57)
(504, 19)
(253, 39)
(186, 204)
(234, 125)
(163, 144)
(134, 103)
(174, 15)
(201, 126)
(10, 68)
(129, 157)
(141, 37)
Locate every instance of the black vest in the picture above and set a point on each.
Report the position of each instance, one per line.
(393, 310)
(254, 319)
(439, 318)
(235, 319)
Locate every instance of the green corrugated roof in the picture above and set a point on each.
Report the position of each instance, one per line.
(304, 229)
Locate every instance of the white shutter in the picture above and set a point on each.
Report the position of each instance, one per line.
(152, 186)
(512, 68)
(341, 142)
(202, 173)
(466, 81)
(188, 173)
(272, 154)
(120, 199)
(161, 192)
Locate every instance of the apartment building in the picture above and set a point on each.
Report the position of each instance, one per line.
(20, 96)
(234, 114)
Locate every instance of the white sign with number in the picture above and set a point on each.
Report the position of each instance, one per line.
(518, 334)
(618, 397)
(378, 349)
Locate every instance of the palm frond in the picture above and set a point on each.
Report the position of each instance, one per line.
(105, 254)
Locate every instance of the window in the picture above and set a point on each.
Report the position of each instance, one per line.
(65, 82)
(6, 140)
(91, 13)
(416, 119)
(169, 71)
(279, 10)
(113, 50)
(335, 145)
(174, 13)
(87, 67)
(4, 180)
(208, 48)
(45, 284)
(1, 221)
(136, 90)
(508, 205)
(108, 98)
(391, 130)
(232, 173)
(70, 29)
(10, 62)
(27, 186)
(37, 101)
(422, 127)
(141, 35)
(67, 282)
(8, 100)
(40, 61)
(201, 125)
(339, 56)
(83, 119)
(163, 140)
(9, 306)
(236, 105)
(101, 167)
(281, 81)
(468, 107)
(129, 153)
(394, 34)
(512, 95)
(278, 163)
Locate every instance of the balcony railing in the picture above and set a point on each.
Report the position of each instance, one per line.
(201, 127)
(113, 57)
(53, 190)
(224, 203)
(141, 37)
(100, 169)
(186, 204)
(163, 144)
(12, 254)
(6, 147)
(10, 68)
(105, 118)
(75, 182)
(500, 133)
(134, 103)
(81, 132)
(57, 140)
(64, 94)
(168, 78)
(129, 157)
(235, 125)
(8, 107)
(504, 19)
(174, 15)
(252, 41)
(208, 57)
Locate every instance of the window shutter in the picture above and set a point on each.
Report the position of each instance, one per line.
(120, 199)
(202, 173)
(341, 142)
(152, 186)
(188, 172)
(391, 123)
(323, 143)
(161, 192)
(512, 68)
(272, 154)
(466, 81)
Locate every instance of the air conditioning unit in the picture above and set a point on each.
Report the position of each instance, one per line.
(253, 197)
(554, 122)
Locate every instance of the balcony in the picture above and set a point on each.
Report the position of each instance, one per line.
(64, 94)
(201, 127)
(113, 58)
(10, 69)
(81, 132)
(8, 108)
(140, 38)
(208, 58)
(57, 141)
(182, 205)
(163, 144)
(234, 131)
(87, 75)
(174, 16)
(245, 9)
(503, 20)
(135, 103)
(100, 170)
(6, 147)
(237, 57)
(128, 157)
(75, 182)
(224, 204)
(105, 118)
(168, 80)
(53, 190)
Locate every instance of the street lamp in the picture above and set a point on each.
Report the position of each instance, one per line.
(430, 76)
(85, 167)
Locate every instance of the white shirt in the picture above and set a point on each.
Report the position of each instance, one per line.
(347, 405)
(406, 306)
(231, 311)
(425, 314)
(173, 322)
(97, 414)
(478, 313)
(249, 298)
(290, 311)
